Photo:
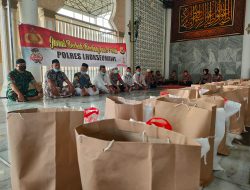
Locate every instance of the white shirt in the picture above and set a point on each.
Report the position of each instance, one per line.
(128, 79)
(102, 80)
(139, 79)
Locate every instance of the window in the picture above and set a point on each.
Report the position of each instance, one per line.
(101, 20)
(78, 16)
(66, 12)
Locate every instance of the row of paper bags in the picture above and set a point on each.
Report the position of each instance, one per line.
(50, 149)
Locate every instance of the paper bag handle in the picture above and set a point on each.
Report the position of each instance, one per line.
(160, 122)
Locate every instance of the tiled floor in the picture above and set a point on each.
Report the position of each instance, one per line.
(237, 165)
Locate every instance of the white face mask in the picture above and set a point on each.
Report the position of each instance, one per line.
(56, 70)
(128, 73)
(83, 72)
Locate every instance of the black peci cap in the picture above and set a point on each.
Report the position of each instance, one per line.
(55, 61)
(85, 65)
(18, 61)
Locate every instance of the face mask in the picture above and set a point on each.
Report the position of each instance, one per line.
(83, 72)
(103, 74)
(22, 68)
(216, 72)
(128, 73)
(56, 70)
(116, 71)
(137, 72)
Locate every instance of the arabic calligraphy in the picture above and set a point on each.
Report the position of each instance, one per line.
(206, 15)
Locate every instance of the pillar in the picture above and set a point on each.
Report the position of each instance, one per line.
(167, 41)
(128, 17)
(4, 44)
(29, 15)
(12, 32)
(47, 18)
(245, 68)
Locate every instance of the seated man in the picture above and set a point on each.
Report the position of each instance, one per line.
(139, 79)
(159, 78)
(149, 79)
(54, 79)
(82, 83)
(206, 77)
(116, 81)
(173, 78)
(186, 79)
(22, 85)
(217, 77)
(102, 81)
(128, 79)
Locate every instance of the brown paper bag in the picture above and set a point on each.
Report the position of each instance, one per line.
(120, 108)
(124, 155)
(195, 122)
(217, 100)
(189, 93)
(43, 149)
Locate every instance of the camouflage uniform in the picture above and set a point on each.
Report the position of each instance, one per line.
(58, 78)
(217, 78)
(206, 78)
(114, 79)
(23, 81)
(82, 80)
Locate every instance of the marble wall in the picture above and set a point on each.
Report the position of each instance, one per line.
(222, 52)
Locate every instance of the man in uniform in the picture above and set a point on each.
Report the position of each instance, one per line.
(82, 83)
(21, 84)
(54, 79)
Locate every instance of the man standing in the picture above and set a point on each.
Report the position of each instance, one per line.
(54, 79)
(22, 85)
(139, 79)
(102, 81)
(83, 84)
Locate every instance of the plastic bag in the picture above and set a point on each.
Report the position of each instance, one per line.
(159, 122)
(91, 114)
(220, 130)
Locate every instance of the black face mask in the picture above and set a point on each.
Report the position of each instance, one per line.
(216, 72)
(22, 68)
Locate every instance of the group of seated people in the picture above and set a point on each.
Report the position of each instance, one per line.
(186, 80)
(22, 86)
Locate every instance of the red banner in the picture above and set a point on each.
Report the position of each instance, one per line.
(40, 46)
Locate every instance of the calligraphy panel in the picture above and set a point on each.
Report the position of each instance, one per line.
(197, 19)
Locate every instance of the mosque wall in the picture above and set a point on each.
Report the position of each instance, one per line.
(207, 34)
(149, 47)
(224, 53)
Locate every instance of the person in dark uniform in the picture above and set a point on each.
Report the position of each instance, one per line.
(22, 85)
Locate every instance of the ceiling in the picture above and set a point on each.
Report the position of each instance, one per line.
(92, 7)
